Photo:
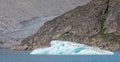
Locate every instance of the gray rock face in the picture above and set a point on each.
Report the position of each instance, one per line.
(22, 18)
(15, 36)
(94, 24)
(113, 20)
(14, 11)
(8, 43)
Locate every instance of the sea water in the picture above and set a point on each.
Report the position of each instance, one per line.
(24, 56)
(56, 48)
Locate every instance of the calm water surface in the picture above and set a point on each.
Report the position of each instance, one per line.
(24, 56)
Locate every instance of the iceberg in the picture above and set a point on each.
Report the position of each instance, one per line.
(58, 47)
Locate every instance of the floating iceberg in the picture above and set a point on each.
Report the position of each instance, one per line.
(69, 48)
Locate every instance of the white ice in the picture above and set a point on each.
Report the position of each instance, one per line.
(59, 47)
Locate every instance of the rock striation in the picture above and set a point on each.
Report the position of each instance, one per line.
(95, 24)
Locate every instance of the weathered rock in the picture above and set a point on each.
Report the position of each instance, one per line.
(17, 17)
(8, 43)
(95, 24)
(112, 23)
(9, 25)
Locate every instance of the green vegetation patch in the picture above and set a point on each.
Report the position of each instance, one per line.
(102, 33)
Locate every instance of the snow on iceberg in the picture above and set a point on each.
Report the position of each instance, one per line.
(59, 47)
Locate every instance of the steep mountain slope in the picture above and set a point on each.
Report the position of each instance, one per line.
(96, 24)
(21, 18)
(14, 11)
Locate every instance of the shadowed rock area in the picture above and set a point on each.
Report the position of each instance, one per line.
(94, 24)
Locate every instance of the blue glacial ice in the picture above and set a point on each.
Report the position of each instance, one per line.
(59, 47)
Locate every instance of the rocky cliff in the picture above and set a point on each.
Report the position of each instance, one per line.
(96, 24)
(20, 18)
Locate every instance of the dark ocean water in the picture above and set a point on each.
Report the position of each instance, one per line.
(24, 56)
